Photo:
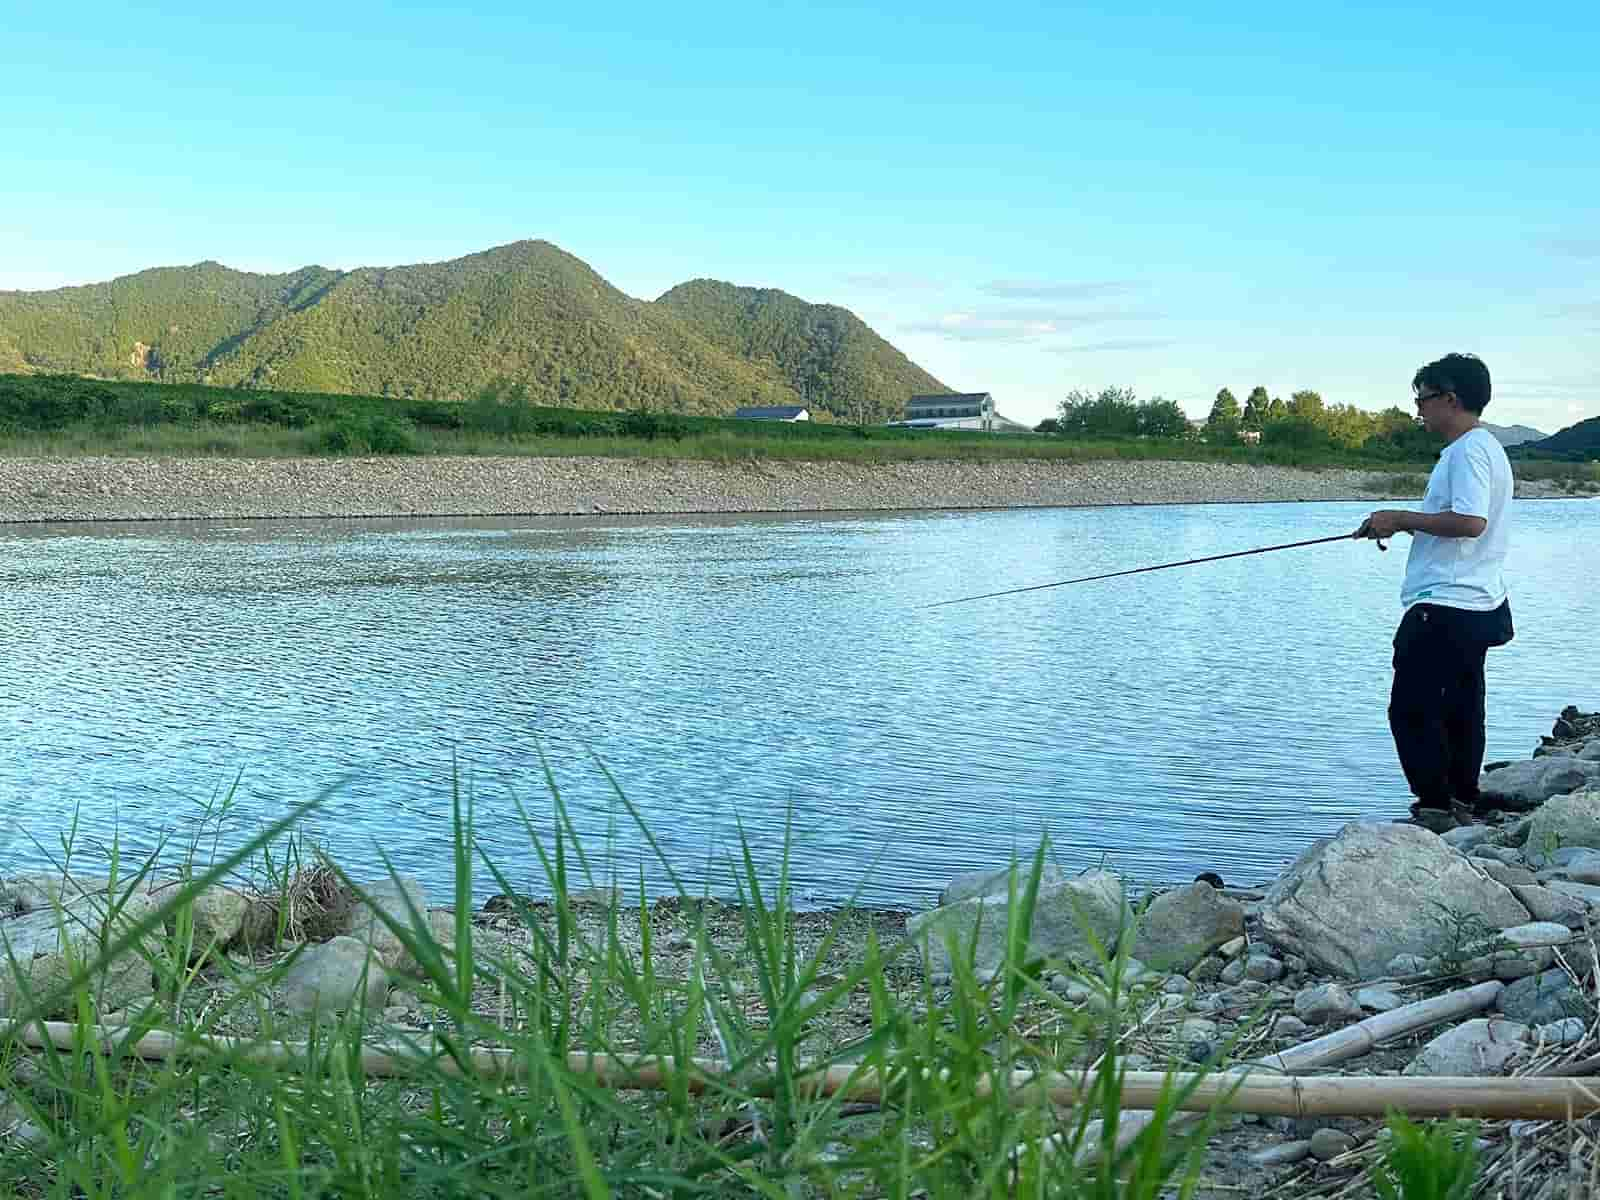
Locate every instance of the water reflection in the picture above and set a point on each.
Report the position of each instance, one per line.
(778, 677)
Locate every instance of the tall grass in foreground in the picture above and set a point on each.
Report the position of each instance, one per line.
(92, 1124)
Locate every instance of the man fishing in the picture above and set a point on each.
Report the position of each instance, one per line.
(1454, 595)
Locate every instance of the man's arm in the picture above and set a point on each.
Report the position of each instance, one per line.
(1387, 522)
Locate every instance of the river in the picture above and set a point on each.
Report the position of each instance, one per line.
(779, 676)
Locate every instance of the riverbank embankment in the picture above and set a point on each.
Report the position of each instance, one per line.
(122, 489)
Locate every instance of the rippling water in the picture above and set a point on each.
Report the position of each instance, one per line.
(745, 672)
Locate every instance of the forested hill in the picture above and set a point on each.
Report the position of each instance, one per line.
(825, 353)
(526, 313)
(1575, 443)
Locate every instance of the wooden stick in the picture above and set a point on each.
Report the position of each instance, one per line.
(1356, 1040)
(1521, 1098)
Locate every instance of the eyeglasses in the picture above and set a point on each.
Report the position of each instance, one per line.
(1430, 396)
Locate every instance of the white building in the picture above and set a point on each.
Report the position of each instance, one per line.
(956, 410)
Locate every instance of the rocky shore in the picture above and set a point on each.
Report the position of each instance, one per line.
(1470, 954)
(127, 489)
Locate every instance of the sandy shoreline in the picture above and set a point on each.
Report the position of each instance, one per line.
(126, 489)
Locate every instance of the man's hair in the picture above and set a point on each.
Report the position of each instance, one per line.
(1463, 374)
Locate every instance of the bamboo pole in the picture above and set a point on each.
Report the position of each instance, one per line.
(1356, 1040)
(1528, 1098)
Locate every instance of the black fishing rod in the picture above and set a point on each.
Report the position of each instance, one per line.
(1188, 562)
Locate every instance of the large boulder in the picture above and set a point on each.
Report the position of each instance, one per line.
(216, 914)
(339, 975)
(395, 897)
(42, 949)
(997, 882)
(1182, 926)
(1563, 822)
(1478, 1047)
(1523, 785)
(1068, 920)
(1352, 902)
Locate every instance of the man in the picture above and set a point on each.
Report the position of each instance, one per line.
(1454, 595)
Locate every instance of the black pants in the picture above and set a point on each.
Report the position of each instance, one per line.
(1436, 708)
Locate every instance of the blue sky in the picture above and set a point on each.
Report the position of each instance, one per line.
(1025, 199)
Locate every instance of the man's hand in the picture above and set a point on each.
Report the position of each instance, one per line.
(1384, 524)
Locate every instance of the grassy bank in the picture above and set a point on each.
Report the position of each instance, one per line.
(772, 997)
(61, 416)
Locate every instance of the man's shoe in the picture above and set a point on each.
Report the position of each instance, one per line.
(1434, 820)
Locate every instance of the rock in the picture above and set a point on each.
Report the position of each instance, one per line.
(1197, 1029)
(1564, 823)
(335, 976)
(1508, 855)
(506, 902)
(1521, 786)
(1590, 751)
(1568, 1031)
(1349, 904)
(1585, 868)
(1232, 948)
(1378, 1000)
(1547, 905)
(1207, 970)
(1294, 964)
(217, 914)
(1536, 933)
(997, 882)
(1586, 892)
(50, 944)
(1543, 998)
(1404, 965)
(1466, 837)
(1281, 1155)
(1233, 972)
(394, 897)
(1325, 1004)
(1504, 872)
(1182, 926)
(42, 890)
(1287, 1026)
(1328, 1144)
(1177, 985)
(1477, 1047)
(1263, 968)
(1067, 920)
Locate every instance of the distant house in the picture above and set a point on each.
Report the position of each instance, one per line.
(957, 410)
(772, 412)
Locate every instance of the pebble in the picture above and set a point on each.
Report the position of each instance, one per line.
(1329, 1144)
(1378, 999)
(1232, 948)
(1280, 1155)
(1263, 968)
(1290, 1027)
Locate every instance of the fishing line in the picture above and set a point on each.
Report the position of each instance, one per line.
(1188, 562)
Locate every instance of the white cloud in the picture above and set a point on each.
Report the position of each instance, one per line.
(1025, 289)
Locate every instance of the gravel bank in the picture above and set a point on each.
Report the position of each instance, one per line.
(109, 489)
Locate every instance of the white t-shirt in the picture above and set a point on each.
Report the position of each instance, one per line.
(1473, 477)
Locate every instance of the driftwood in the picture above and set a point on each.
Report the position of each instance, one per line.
(1356, 1040)
(1541, 1098)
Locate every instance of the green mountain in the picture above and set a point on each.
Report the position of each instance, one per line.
(1575, 443)
(526, 313)
(826, 353)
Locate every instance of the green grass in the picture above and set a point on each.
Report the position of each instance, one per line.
(109, 1124)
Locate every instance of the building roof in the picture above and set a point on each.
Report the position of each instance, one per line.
(948, 398)
(781, 412)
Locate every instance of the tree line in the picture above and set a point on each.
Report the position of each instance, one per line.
(1304, 422)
